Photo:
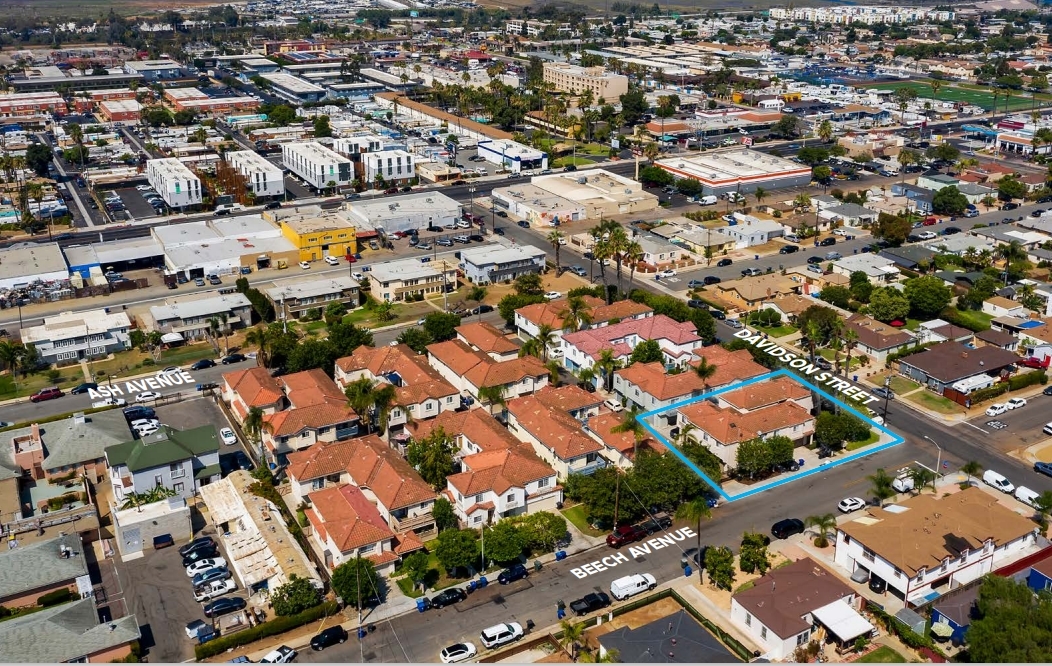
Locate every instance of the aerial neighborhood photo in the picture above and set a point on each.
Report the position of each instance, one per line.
(525, 331)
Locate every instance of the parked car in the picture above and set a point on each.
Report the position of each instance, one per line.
(109, 402)
(137, 412)
(723, 262)
(578, 271)
(228, 437)
(711, 280)
(697, 304)
(553, 295)
(224, 605)
(328, 637)
(448, 597)
(214, 589)
(209, 575)
(457, 652)
(788, 249)
(1043, 468)
(501, 634)
(284, 654)
(513, 573)
(613, 404)
(996, 409)
(626, 534)
(46, 394)
(695, 284)
(233, 358)
(197, 544)
(849, 504)
(667, 273)
(883, 393)
(204, 565)
(589, 603)
(1015, 403)
(784, 529)
(83, 388)
(203, 363)
(147, 396)
(657, 522)
(199, 554)
(332, 261)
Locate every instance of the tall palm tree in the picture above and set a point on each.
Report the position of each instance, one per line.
(618, 244)
(213, 328)
(577, 314)
(260, 338)
(759, 193)
(554, 378)
(253, 427)
(77, 134)
(360, 398)
(555, 238)
(823, 525)
(9, 353)
(546, 338)
(633, 255)
(606, 365)
(696, 510)
(850, 337)
(224, 318)
(705, 371)
(630, 423)
(881, 485)
(571, 636)
(972, 469)
(531, 347)
(493, 395)
(651, 150)
(385, 398)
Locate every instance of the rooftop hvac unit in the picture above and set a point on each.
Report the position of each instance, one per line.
(582, 181)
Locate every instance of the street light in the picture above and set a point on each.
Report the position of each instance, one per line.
(938, 462)
(887, 397)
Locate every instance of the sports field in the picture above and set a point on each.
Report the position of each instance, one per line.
(977, 95)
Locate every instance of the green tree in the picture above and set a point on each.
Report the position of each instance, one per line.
(38, 158)
(971, 469)
(335, 310)
(542, 530)
(836, 295)
(648, 351)
(753, 556)
(823, 524)
(812, 156)
(281, 115)
(295, 596)
(503, 542)
(949, 201)
(476, 295)
(444, 514)
(322, 128)
(892, 228)
(1012, 625)
(928, 296)
(655, 176)
(432, 456)
(1011, 188)
(416, 339)
(456, 549)
(888, 304)
(416, 566)
(719, 562)
(253, 427)
(880, 485)
(752, 458)
(826, 322)
(441, 326)
(529, 284)
(355, 581)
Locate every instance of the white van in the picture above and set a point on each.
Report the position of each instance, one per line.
(708, 200)
(1025, 495)
(623, 588)
(992, 478)
(792, 238)
(902, 483)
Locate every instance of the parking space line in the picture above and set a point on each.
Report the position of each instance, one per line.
(976, 427)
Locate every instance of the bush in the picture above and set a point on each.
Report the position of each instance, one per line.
(954, 317)
(982, 395)
(891, 358)
(274, 627)
(56, 597)
(1025, 379)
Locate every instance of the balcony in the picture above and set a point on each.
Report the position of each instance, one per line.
(346, 433)
(423, 524)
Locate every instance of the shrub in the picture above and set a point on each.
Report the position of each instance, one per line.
(56, 597)
(276, 626)
(982, 395)
(1025, 379)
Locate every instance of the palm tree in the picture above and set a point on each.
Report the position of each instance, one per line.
(554, 377)
(630, 423)
(493, 395)
(696, 510)
(618, 244)
(586, 375)
(633, 255)
(881, 485)
(825, 130)
(9, 353)
(253, 427)
(705, 371)
(545, 338)
(570, 637)
(921, 476)
(577, 314)
(213, 328)
(531, 347)
(225, 320)
(607, 364)
(651, 150)
(971, 469)
(384, 401)
(823, 525)
(261, 339)
(850, 337)
(759, 193)
(477, 295)
(555, 238)
(77, 134)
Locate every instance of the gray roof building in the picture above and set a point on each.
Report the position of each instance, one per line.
(39, 566)
(66, 633)
(80, 439)
(907, 256)
(164, 447)
(673, 639)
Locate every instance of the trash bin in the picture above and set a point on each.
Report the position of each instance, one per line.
(536, 565)
(854, 378)
(560, 614)
(686, 571)
(560, 555)
(800, 462)
(421, 605)
(483, 582)
(361, 632)
(471, 586)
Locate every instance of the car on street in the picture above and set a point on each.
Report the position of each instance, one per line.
(203, 364)
(457, 652)
(448, 597)
(513, 573)
(784, 529)
(723, 262)
(578, 271)
(927, 235)
(696, 304)
(814, 260)
(553, 295)
(285, 654)
(788, 249)
(83, 388)
(751, 272)
(109, 402)
(46, 394)
(667, 273)
(328, 637)
(695, 284)
(826, 242)
(1015, 403)
(589, 603)
(200, 282)
(304, 265)
(332, 261)
(147, 396)
(228, 437)
(204, 565)
(501, 634)
(997, 409)
(233, 358)
(849, 504)
(950, 231)
(1043, 468)
(624, 535)
(613, 404)
(883, 392)
(658, 521)
(197, 544)
(224, 605)
(711, 280)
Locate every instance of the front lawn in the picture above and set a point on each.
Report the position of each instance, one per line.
(882, 655)
(578, 515)
(874, 437)
(976, 319)
(776, 331)
(935, 402)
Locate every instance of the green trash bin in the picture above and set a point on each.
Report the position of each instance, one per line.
(536, 565)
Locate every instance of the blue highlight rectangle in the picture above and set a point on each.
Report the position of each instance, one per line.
(869, 450)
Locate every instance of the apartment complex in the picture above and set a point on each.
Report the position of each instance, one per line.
(263, 178)
(320, 167)
(575, 79)
(394, 280)
(294, 89)
(392, 167)
(174, 181)
(72, 336)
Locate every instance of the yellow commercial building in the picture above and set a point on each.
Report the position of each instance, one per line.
(320, 237)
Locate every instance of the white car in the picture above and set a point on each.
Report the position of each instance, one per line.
(139, 423)
(840, 231)
(667, 273)
(1015, 403)
(283, 655)
(457, 652)
(194, 629)
(304, 265)
(997, 410)
(357, 276)
(146, 430)
(110, 402)
(228, 436)
(553, 295)
(501, 634)
(147, 396)
(332, 261)
(849, 504)
(613, 404)
(204, 565)
(143, 188)
(170, 370)
(216, 588)
(927, 235)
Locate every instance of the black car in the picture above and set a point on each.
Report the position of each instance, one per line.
(203, 363)
(501, 213)
(718, 314)
(271, 205)
(524, 224)
(136, 412)
(826, 242)
(448, 597)
(233, 358)
(814, 261)
(1048, 390)
(328, 637)
(513, 573)
(913, 238)
(949, 231)
(198, 554)
(590, 602)
(877, 584)
(499, 231)
(788, 249)
(711, 280)
(695, 303)
(83, 388)
(1010, 206)
(224, 605)
(570, 167)
(723, 262)
(784, 529)
(199, 542)
(482, 309)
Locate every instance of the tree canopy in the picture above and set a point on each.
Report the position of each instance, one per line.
(1014, 624)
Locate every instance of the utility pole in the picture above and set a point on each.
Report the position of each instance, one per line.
(938, 461)
(887, 397)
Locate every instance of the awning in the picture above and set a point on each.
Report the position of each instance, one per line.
(169, 338)
(843, 621)
(367, 234)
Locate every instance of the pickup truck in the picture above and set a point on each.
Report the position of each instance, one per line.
(213, 589)
(626, 534)
(590, 602)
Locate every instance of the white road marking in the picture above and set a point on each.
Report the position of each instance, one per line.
(976, 427)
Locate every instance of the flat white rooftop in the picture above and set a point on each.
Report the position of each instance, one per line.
(497, 254)
(291, 83)
(405, 269)
(312, 288)
(188, 308)
(733, 165)
(70, 325)
(315, 152)
(171, 168)
(388, 208)
(30, 260)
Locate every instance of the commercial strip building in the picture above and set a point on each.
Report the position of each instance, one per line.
(174, 181)
(575, 79)
(418, 210)
(319, 234)
(26, 263)
(72, 336)
(125, 111)
(223, 246)
(320, 167)
(737, 170)
(294, 89)
(512, 155)
(263, 178)
(553, 199)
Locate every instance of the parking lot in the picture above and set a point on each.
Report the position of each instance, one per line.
(1016, 428)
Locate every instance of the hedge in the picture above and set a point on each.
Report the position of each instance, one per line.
(891, 358)
(55, 597)
(1025, 379)
(981, 395)
(953, 316)
(274, 627)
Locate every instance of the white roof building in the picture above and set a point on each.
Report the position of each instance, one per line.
(26, 263)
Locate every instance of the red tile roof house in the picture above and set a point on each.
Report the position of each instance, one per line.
(722, 429)
(677, 340)
(421, 393)
(344, 525)
(620, 448)
(473, 431)
(556, 437)
(529, 318)
(469, 370)
(317, 412)
(502, 483)
(403, 498)
(252, 387)
(486, 338)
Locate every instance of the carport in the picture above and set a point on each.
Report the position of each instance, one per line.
(843, 622)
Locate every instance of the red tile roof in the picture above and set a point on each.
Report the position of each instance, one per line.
(348, 517)
(617, 336)
(312, 387)
(731, 366)
(653, 379)
(486, 338)
(551, 312)
(492, 373)
(727, 426)
(293, 421)
(623, 442)
(458, 356)
(254, 386)
(553, 428)
(476, 426)
(568, 397)
(766, 393)
(499, 471)
(379, 361)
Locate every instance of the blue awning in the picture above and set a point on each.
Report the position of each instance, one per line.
(979, 129)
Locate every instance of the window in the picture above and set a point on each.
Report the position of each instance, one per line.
(317, 484)
(176, 470)
(510, 497)
(763, 633)
(748, 619)
(157, 480)
(543, 483)
(802, 638)
(178, 487)
(867, 554)
(478, 498)
(476, 519)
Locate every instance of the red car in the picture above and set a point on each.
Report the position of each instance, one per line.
(930, 221)
(46, 394)
(1034, 362)
(625, 535)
